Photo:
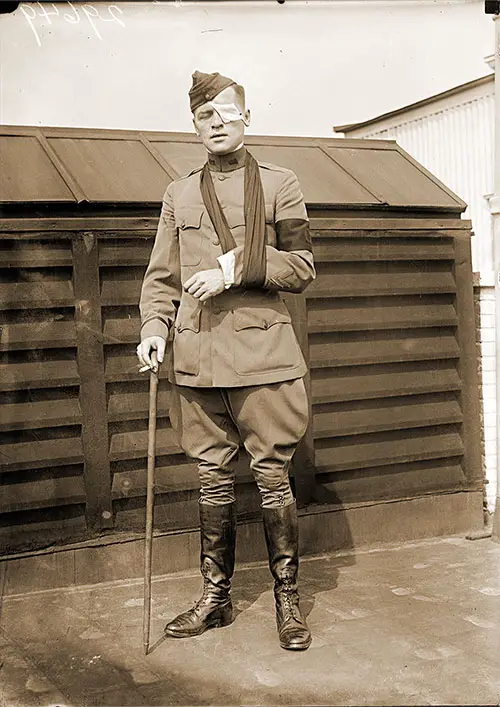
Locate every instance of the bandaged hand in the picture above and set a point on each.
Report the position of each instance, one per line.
(205, 284)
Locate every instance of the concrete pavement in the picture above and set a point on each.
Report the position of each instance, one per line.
(410, 624)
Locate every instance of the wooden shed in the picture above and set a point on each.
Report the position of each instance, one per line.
(393, 451)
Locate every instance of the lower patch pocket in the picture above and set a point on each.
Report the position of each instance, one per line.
(264, 341)
(186, 346)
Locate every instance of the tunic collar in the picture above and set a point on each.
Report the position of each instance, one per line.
(226, 163)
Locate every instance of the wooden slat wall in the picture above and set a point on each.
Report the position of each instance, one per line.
(42, 461)
(122, 262)
(391, 351)
(393, 388)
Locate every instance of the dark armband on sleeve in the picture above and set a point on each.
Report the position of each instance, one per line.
(293, 234)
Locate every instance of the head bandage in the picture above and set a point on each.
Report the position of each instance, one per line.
(228, 112)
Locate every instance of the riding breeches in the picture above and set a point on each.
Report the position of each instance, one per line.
(269, 420)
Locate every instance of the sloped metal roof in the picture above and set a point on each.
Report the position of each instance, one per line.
(76, 165)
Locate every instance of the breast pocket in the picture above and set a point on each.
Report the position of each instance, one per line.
(236, 222)
(188, 222)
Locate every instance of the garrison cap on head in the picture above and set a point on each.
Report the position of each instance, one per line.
(205, 87)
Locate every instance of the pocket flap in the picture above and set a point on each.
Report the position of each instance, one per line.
(188, 217)
(236, 217)
(188, 319)
(260, 318)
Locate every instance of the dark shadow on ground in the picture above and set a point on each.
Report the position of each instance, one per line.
(324, 528)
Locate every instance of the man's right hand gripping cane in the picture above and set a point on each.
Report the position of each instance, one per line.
(151, 352)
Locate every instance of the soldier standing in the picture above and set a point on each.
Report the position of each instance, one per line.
(232, 235)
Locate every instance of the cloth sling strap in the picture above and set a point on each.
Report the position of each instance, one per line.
(254, 254)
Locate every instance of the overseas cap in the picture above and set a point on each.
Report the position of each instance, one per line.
(205, 87)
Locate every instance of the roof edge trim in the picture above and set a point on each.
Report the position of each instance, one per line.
(349, 127)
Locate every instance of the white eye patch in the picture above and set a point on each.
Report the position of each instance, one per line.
(228, 112)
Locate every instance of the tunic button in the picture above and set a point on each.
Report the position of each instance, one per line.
(216, 310)
(222, 177)
(215, 241)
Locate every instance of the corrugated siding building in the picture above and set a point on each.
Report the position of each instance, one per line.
(452, 135)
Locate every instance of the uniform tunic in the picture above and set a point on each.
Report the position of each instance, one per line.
(242, 336)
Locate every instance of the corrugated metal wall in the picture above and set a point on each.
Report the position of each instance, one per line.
(393, 374)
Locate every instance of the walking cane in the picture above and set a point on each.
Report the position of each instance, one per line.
(150, 490)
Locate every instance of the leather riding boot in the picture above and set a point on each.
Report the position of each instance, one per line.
(282, 539)
(214, 608)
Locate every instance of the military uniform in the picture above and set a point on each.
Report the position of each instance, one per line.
(242, 336)
(237, 367)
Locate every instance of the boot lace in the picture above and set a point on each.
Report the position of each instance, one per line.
(290, 603)
(210, 591)
(205, 595)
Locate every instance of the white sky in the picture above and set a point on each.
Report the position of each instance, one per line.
(306, 65)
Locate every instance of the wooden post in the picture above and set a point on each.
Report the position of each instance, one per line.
(303, 460)
(470, 402)
(90, 359)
